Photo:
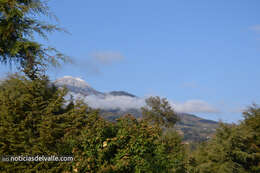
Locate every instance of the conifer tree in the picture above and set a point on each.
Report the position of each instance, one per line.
(19, 22)
(34, 120)
(234, 149)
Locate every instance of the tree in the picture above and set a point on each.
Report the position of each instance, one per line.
(18, 26)
(127, 146)
(234, 149)
(35, 120)
(159, 112)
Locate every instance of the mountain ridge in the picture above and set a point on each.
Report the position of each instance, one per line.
(192, 127)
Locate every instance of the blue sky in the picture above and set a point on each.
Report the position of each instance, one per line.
(183, 50)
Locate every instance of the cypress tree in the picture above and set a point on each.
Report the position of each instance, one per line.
(34, 120)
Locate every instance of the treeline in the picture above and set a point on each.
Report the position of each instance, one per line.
(234, 149)
(35, 119)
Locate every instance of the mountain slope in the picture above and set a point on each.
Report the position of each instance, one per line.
(77, 85)
(192, 128)
(121, 93)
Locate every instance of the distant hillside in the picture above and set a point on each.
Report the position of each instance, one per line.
(192, 128)
(121, 93)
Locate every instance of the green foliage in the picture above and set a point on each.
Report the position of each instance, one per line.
(127, 146)
(192, 128)
(18, 25)
(234, 149)
(35, 121)
(159, 112)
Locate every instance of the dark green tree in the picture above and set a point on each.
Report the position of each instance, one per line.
(234, 149)
(159, 112)
(19, 22)
(36, 120)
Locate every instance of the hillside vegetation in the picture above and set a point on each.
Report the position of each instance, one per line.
(36, 120)
(190, 127)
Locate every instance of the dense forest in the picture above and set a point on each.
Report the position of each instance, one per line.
(35, 119)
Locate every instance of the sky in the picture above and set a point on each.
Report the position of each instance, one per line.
(202, 53)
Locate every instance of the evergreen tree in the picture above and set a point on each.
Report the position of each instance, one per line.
(234, 149)
(34, 120)
(18, 26)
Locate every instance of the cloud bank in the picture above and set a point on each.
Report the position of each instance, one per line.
(125, 102)
(115, 102)
(194, 106)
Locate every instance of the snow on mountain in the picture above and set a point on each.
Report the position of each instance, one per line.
(72, 81)
(117, 103)
(77, 86)
(79, 89)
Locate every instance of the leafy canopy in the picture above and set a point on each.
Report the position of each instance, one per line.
(127, 145)
(159, 112)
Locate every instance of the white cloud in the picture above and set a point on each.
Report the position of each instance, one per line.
(107, 57)
(194, 106)
(125, 102)
(115, 102)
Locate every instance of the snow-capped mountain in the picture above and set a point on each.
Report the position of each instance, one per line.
(79, 89)
(77, 85)
(117, 103)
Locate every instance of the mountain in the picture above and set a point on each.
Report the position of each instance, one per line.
(120, 93)
(119, 103)
(191, 127)
(194, 128)
(77, 85)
